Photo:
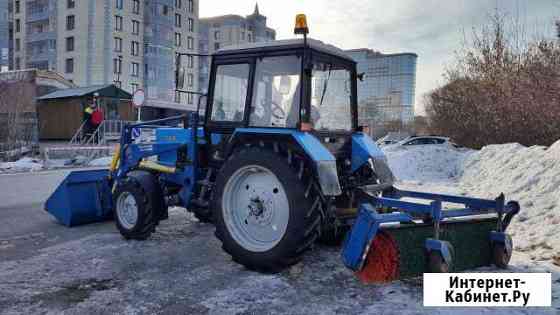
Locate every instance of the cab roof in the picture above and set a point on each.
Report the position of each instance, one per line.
(286, 44)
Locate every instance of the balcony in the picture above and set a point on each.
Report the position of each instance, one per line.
(38, 16)
(41, 56)
(35, 37)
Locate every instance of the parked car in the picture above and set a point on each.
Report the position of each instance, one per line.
(422, 140)
(392, 138)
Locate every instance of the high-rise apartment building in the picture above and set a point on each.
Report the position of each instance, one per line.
(4, 36)
(387, 92)
(220, 31)
(131, 43)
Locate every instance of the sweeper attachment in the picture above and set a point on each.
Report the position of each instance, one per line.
(277, 162)
(395, 245)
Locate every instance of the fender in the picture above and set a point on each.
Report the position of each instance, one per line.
(322, 158)
(364, 150)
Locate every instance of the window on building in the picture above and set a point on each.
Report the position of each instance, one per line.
(191, 25)
(217, 35)
(242, 35)
(119, 4)
(118, 23)
(118, 84)
(164, 10)
(190, 43)
(177, 97)
(189, 98)
(178, 3)
(135, 48)
(117, 66)
(18, 25)
(136, 6)
(134, 69)
(134, 87)
(191, 6)
(69, 43)
(135, 27)
(18, 63)
(249, 37)
(190, 79)
(70, 4)
(178, 20)
(216, 46)
(118, 44)
(190, 62)
(18, 44)
(17, 6)
(178, 39)
(69, 65)
(70, 22)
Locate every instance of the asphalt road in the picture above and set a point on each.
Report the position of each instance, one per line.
(46, 268)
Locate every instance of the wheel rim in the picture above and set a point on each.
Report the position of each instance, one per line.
(255, 208)
(127, 210)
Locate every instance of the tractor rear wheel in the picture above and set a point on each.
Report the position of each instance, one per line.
(262, 213)
(138, 205)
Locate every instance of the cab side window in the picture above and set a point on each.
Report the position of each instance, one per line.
(230, 92)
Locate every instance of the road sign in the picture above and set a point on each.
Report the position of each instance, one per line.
(136, 133)
(138, 98)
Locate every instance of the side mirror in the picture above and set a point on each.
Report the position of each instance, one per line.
(179, 73)
(361, 76)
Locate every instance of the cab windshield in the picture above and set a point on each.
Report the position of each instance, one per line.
(331, 97)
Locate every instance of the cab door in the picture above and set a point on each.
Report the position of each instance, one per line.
(229, 98)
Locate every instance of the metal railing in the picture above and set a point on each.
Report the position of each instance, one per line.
(78, 136)
(108, 131)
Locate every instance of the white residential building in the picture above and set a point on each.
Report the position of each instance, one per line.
(131, 43)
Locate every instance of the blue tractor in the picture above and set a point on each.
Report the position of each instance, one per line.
(276, 162)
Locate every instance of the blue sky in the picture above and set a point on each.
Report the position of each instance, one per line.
(431, 28)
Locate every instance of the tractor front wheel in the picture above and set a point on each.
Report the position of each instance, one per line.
(263, 215)
(501, 256)
(138, 205)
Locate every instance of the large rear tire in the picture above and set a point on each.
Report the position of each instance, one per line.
(138, 205)
(263, 216)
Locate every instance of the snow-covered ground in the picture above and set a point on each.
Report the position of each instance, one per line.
(182, 268)
(28, 164)
(25, 164)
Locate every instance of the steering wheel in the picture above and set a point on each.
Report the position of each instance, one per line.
(277, 111)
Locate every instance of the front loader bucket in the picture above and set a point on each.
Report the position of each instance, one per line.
(83, 197)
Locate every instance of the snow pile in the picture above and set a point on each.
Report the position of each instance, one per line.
(101, 162)
(21, 165)
(528, 175)
(425, 162)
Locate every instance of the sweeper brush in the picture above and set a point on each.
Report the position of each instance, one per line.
(384, 247)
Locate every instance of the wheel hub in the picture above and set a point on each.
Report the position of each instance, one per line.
(127, 210)
(255, 208)
(261, 208)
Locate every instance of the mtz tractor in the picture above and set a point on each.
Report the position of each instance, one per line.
(277, 162)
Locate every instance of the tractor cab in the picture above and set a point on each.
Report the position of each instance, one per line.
(300, 84)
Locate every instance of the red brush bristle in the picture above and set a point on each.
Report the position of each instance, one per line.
(382, 261)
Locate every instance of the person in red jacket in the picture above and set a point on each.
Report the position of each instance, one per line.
(93, 116)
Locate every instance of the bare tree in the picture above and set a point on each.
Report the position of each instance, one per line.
(16, 97)
(500, 90)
